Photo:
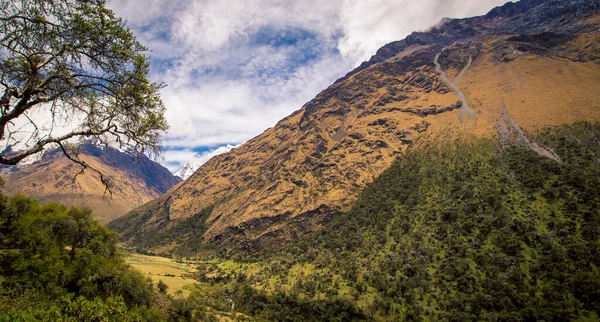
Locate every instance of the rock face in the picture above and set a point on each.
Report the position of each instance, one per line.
(522, 66)
(135, 180)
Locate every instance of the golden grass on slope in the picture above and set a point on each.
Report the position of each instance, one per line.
(52, 180)
(157, 268)
(319, 158)
(536, 91)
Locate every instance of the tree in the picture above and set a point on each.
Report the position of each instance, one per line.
(75, 64)
(162, 287)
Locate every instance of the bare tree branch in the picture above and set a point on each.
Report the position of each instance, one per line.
(39, 146)
(84, 166)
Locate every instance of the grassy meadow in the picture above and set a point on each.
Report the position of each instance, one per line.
(177, 274)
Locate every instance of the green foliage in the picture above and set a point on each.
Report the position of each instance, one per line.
(228, 296)
(460, 231)
(282, 307)
(70, 309)
(464, 231)
(162, 287)
(187, 234)
(51, 251)
(75, 59)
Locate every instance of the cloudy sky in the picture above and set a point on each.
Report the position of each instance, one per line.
(233, 68)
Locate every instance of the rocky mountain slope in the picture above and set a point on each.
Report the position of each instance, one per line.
(521, 67)
(135, 180)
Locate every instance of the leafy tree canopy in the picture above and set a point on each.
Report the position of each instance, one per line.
(79, 65)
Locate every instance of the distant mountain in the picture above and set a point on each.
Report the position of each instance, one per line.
(522, 67)
(188, 169)
(135, 180)
(191, 166)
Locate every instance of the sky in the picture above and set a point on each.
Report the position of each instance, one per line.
(234, 68)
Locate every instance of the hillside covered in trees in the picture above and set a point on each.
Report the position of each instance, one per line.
(468, 230)
(473, 231)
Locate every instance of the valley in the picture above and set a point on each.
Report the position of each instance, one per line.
(177, 275)
(453, 176)
(441, 233)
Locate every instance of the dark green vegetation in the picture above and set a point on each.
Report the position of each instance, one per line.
(59, 264)
(466, 232)
(463, 231)
(187, 234)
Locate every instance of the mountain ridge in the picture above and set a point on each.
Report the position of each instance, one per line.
(134, 179)
(312, 164)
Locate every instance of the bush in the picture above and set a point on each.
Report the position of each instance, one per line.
(162, 287)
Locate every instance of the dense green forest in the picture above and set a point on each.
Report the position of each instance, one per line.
(58, 263)
(470, 230)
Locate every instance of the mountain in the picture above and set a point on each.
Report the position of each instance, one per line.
(191, 166)
(187, 169)
(463, 231)
(522, 67)
(135, 180)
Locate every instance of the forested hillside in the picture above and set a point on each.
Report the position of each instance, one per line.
(468, 230)
(472, 231)
(463, 230)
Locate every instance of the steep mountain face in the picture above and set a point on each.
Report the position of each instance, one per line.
(521, 67)
(135, 180)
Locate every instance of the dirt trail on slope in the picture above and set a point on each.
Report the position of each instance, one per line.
(465, 113)
(509, 130)
(507, 127)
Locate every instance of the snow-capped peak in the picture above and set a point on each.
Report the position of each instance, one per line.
(32, 158)
(121, 147)
(191, 166)
(188, 169)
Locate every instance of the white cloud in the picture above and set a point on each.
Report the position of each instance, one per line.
(368, 25)
(234, 68)
(39, 123)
